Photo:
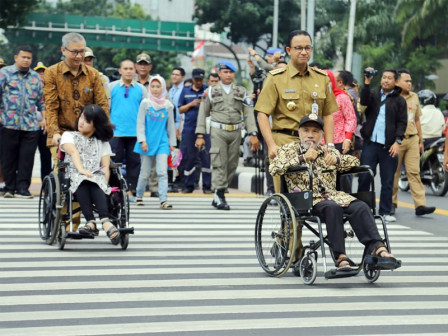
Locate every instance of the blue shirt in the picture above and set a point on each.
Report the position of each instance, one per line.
(20, 94)
(186, 97)
(379, 131)
(174, 95)
(125, 102)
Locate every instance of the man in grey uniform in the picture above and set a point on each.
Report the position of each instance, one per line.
(230, 104)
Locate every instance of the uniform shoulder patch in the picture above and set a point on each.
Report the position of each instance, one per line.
(319, 71)
(277, 71)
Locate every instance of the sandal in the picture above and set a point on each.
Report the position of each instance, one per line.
(165, 206)
(139, 201)
(112, 232)
(381, 258)
(344, 263)
(89, 229)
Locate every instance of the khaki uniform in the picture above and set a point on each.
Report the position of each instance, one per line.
(409, 154)
(225, 131)
(286, 86)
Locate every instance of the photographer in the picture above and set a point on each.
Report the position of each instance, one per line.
(383, 132)
(274, 55)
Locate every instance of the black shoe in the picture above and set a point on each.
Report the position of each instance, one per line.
(154, 194)
(8, 194)
(207, 191)
(187, 190)
(23, 194)
(424, 210)
(219, 201)
(172, 189)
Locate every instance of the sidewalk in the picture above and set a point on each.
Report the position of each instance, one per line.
(244, 181)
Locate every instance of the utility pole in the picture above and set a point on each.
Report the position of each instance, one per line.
(303, 15)
(310, 21)
(275, 26)
(351, 28)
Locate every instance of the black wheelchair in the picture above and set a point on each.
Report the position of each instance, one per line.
(56, 207)
(279, 226)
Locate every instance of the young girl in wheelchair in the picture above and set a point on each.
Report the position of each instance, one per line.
(89, 153)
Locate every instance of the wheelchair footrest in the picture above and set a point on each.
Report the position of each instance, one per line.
(126, 230)
(380, 263)
(342, 273)
(77, 235)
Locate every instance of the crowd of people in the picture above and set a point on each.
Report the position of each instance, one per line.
(204, 118)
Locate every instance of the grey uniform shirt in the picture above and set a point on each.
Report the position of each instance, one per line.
(227, 108)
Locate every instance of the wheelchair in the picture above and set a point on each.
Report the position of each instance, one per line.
(279, 225)
(56, 206)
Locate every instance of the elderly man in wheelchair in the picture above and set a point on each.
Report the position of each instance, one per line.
(306, 162)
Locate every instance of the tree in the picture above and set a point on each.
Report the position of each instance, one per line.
(14, 12)
(248, 20)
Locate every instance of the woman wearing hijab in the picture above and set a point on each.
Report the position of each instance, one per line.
(156, 138)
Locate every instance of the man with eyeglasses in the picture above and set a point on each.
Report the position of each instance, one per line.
(292, 92)
(126, 96)
(69, 86)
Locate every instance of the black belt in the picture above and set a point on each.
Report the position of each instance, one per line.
(288, 132)
(409, 136)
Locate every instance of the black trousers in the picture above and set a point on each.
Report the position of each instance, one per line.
(123, 148)
(88, 194)
(360, 218)
(17, 158)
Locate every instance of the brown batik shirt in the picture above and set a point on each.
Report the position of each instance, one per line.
(324, 176)
(66, 95)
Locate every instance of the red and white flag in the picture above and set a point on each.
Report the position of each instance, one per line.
(198, 53)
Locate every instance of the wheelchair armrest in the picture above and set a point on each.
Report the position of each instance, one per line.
(115, 165)
(357, 170)
(296, 169)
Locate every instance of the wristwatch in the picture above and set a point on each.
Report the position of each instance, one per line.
(398, 141)
(330, 144)
(254, 133)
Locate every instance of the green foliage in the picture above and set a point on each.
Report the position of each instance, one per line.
(247, 20)
(14, 12)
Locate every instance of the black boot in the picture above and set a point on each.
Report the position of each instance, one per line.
(219, 201)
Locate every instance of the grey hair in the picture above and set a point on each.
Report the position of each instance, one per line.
(72, 37)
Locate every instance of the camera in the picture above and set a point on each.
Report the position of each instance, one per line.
(370, 73)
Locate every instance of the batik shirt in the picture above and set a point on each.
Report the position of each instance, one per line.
(324, 176)
(20, 94)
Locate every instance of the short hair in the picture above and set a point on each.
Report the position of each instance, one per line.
(346, 77)
(393, 71)
(126, 60)
(94, 113)
(72, 37)
(213, 74)
(295, 33)
(26, 48)
(403, 71)
(181, 70)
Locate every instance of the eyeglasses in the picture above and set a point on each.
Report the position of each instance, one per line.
(126, 92)
(307, 48)
(76, 52)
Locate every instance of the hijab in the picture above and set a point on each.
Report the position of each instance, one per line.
(336, 91)
(158, 101)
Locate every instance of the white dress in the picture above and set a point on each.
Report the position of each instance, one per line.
(91, 150)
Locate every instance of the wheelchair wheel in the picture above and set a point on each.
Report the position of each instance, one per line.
(275, 235)
(371, 274)
(308, 269)
(124, 219)
(49, 210)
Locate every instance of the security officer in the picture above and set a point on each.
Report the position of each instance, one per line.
(189, 102)
(291, 93)
(230, 104)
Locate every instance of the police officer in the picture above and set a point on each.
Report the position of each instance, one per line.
(291, 93)
(230, 104)
(189, 102)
